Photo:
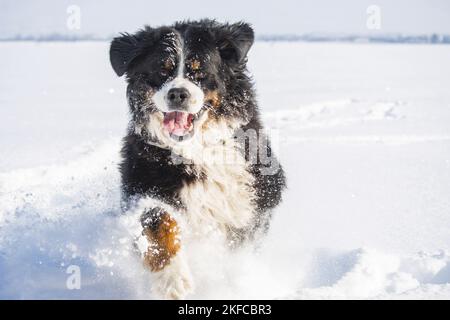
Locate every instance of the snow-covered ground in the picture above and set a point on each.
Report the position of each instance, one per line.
(362, 130)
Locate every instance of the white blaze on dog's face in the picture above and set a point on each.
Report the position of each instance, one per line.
(185, 79)
(180, 93)
(180, 100)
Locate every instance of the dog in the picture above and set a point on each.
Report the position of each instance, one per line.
(195, 142)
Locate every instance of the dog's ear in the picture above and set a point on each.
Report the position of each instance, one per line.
(234, 41)
(123, 50)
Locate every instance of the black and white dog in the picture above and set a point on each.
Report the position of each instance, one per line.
(195, 143)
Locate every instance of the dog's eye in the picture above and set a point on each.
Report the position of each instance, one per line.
(145, 78)
(166, 68)
(199, 75)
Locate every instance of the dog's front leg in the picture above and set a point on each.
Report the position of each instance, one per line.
(164, 256)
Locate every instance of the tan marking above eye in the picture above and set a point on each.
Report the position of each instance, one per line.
(168, 64)
(195, 65)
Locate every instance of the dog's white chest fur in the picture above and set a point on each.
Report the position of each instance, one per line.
(225, 197)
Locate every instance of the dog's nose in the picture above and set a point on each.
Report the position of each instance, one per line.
(178, 96)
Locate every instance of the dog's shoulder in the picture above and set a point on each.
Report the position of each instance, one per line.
(150, 170)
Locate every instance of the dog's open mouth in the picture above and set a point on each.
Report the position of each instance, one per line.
(180, 125)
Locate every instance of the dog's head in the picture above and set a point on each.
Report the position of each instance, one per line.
(185, 78)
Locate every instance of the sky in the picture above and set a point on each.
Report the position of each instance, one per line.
(108, 17)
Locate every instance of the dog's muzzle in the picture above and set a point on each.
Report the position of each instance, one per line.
(181, 125)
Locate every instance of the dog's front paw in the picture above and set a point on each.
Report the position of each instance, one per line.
(174, 281)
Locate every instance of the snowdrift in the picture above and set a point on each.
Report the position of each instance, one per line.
(362, 131)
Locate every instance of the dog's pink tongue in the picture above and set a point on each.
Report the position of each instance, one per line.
(177, 123)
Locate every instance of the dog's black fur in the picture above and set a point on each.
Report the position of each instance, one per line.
(148, 169)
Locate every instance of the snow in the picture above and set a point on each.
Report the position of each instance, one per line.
(361, 130)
